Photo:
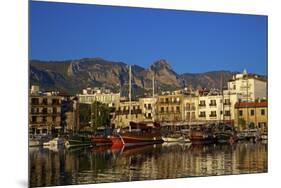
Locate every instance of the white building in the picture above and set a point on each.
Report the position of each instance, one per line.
(104, 96)
(250, 87)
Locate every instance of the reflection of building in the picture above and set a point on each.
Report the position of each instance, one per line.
(251, 115)
(89, 96)
(147, 106)
(123, 116)
(249, 86)
(70, 114)
(44, 114)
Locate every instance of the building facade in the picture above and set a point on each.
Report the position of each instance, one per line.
(148, 106)
(44, 114)
(122, 116)
(251, 115)
(250, 87)
(90, 96)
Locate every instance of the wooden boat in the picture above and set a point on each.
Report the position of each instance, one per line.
(100, 140)
(225, 134)
(202, 134)
(140, 134)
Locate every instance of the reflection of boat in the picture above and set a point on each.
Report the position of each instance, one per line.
(136, 150)
(33, 141)
(78, 140)
(100, 140)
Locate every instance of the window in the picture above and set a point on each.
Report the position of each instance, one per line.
(202, 103)
(252, 112)
(213, 103)
(227, 113)
(213, 114)
(45, 101)
(227, 102)
(240, 113)
(33, 119)
(178, 108)
(34, 101)
(149, 106)
(55, 110)
(162, 109)
(202, 114)
(167, 109)
(262, 112)
(172, 109)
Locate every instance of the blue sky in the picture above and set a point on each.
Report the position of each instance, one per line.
(190, 41)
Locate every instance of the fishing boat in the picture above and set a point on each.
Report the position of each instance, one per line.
(249, 134)
(175, 138)
(139, 134)
(225, 134)
(202, 134)
(100, 140)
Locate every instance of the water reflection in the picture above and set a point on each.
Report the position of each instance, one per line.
(104, 164)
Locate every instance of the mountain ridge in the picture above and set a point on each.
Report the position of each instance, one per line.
(71, 76)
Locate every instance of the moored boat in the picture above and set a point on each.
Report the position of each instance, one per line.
(202, 134)
(100, 140)
(78, 140)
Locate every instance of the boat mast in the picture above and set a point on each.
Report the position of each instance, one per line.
(153, 95)
(130, 95)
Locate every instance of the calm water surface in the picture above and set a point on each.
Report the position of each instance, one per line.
(103, 164)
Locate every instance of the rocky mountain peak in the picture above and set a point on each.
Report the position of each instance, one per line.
(160, 64)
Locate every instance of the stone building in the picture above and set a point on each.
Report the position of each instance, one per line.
(122, 116)
(147, 106)
(44, 114)
(251, 115)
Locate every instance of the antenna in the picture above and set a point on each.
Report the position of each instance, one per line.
(130, 95)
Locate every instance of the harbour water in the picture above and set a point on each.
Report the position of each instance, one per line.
(103, 164)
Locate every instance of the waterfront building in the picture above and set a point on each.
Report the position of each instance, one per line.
(124, 115)
(44, 113)
(190, 104)
(249, 86)
(210, 106)
(251, 115)
(170, 108)
(148, 106)
(102, 95)
(70, 114)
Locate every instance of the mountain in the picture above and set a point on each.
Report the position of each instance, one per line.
(72, 76)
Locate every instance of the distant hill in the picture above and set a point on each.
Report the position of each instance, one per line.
(74, 75)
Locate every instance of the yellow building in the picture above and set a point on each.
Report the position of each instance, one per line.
(170, 108)
(251, 115)
(123, 117)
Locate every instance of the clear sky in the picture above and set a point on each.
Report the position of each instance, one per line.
(190, 41)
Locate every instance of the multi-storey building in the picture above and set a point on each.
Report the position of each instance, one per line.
(148, 106)
(251, 115)
(170, 108)
(210, 107)
(44, 114)
(190, 105)
(249, 86)
(127, 112)
(90, 96)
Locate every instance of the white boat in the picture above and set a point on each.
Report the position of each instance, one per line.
(54, 143)
(175, 139)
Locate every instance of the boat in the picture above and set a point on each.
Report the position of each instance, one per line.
(202, 134)
(175, 138)
(78, 140)
(139, 134)
(225, 134)
(264, 136)
(249, 134)
(55, 143)
(100, 140)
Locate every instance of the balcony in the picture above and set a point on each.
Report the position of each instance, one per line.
(213, 115)
(212, 104)
(202, 105)
(202, 116)
(227, 104)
